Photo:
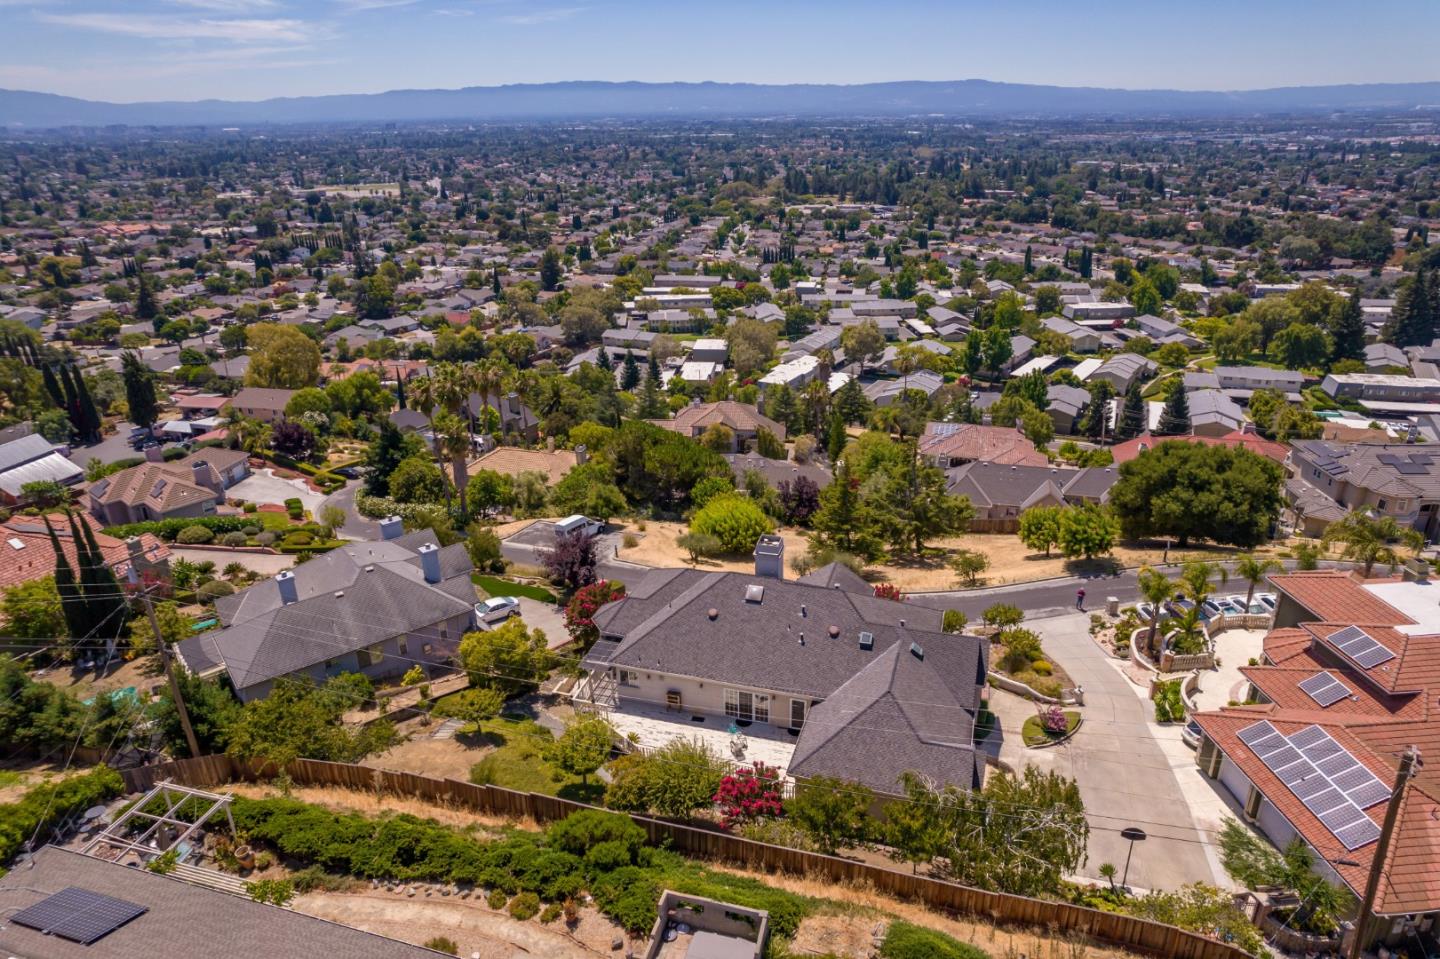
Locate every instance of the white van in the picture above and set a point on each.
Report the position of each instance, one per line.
(571, 525)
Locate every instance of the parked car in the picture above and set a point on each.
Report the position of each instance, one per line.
(496, 609)
(349, 472)
(1191, 734)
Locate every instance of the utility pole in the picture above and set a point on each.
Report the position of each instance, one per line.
(164, 649)
(1409, 760)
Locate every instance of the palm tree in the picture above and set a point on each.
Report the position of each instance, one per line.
(1368, 539)
(1253, 569)
(1158, 590)
(488, 378)
(1196, 578)
(454, 441)
(1189, 636)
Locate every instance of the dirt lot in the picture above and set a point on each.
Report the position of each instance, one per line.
(475, 927)
(18, 778)
(1011, 561)
(143, 673)
(440, 758)
(352, 800)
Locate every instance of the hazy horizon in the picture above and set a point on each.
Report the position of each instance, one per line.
(259, 49)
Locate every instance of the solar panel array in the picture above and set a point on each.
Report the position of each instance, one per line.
(1361, 647)
(1323, 775)
(78, 915)
(1325, 689)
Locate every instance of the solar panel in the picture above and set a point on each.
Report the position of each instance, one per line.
(1308, 789)
(1325, 689)
(1282, 757)
(1269, 744)
(1369, 794)
(1347, 634)
(1373, 656)
(1311, 736)
(1353, 778)
(1327, 799)
(1357, 644)
(78, 915)
(1322, 750)
(1295, 772)
(1337, 764)
(1250, 735)
(1341, 816)
(1359, 834)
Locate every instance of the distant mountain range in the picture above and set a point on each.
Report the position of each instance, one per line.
(594, 100)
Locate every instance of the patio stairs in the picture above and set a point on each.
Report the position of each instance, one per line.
(446, 730)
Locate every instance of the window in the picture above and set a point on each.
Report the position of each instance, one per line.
(444, 632)
(748, 706)
(1380, 504)
(371, 655)
(403, 645)
(1252, 803)
(427, 649)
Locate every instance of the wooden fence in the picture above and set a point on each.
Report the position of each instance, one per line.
(1059, 918)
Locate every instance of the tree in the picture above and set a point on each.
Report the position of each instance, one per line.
(1145, 297)
(570, 563)
(1133, 418)
(629, 372)
(312, 399)
(1187, 490)
(675, 780)
(1412, 322)
(1347, 330)
(139, 390)
(698, 545)
(735, 520)
(914, 504)
(845, 522)
(1253, 569)
(551, 270)
(748, 794)
(832, 812)
(1040, 527)
(799, 499)
(1158, 589)
(752, 345)
(998, 349)
(583, 747)
(1371, 539)
(390, 448)
(300, 720)
(1175, 417)
(1087, 531)
(212, 708)
(281, 357)
(968, 564)
(863, 342)
(289, 438)
(417, 480)
(1300, 346)
(1196, 577)
(509, 658)
(32, 610)
(1038, 427)
(580, 611)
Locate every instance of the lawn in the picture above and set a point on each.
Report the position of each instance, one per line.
(494, 586)
(518, 762)
(1035, 734)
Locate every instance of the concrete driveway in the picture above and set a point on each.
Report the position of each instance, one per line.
(114, 447)
(1128, 770)
(549, 619)
(265, 487)
(266, 564)
(356, 526)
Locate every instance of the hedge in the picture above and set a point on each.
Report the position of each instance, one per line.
(168, 529)
(379, 507)
(43, 807)
(326, 480)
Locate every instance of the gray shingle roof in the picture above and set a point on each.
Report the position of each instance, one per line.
(182, 920)
(349, 598)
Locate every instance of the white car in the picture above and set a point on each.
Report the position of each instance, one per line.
(496, 609)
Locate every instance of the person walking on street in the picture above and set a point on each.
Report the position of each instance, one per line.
(1080, 600)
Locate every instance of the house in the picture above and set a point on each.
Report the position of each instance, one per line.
(514, 460)
(1082, 338)
(1164, 331)
(172, 918)
(1124, 369)
(1385, 391)
(775, 472)
(514, 417)
(954, 444)
(1096, 310)
(1004, 492)
(201, 405)
(1131, 448)
(696, 281)
(743, 420)
(636, 341)
(792, 373)
(375, 608)
(885, 393)
(28, 554)
(873, 688)
(1239, 382)
(709, 350)
(1380, 357)
(33, 459)
(261, 403)
(1212, 413)
(1067, 403)
(1349, 675)
(192, 486)
(1397, 480)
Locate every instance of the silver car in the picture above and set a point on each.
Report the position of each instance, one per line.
(496, 609)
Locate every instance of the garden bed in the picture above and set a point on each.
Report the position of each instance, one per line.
(494, 586)
(1036, 736)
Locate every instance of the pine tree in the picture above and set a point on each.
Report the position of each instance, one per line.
(1132, 420)
(630, 375)
(1413, 321)
(145, 306)
(1347, 330)
(1175, 417)
(602, 360)
(652, 400)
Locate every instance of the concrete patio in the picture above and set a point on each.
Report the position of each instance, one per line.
(1234, 648)
(656, 727)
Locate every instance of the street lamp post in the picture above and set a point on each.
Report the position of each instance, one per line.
(1134, 834)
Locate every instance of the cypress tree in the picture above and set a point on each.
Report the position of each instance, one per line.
(72, 402)
(1175, 418)
(102, 595)
(1347, 331)
(52, 386)
(400, 388)
(630, 378)
(1132, 420)
(1029, 261)
(71, 604)
(145, 306)
(89, 416)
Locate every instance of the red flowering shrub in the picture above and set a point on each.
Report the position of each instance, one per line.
(888, 591)
(749, 793)
(1053, 719)
(580, 611)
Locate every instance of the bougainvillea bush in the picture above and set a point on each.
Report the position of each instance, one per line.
(749, 793)
(580, 611)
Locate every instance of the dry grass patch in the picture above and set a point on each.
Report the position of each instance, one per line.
(656, 546)
(368, 803)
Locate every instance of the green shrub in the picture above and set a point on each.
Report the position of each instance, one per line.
(551, 913)
(497, 899)
(234, 539)
(45, 805)
(168, 529)
(443, 944)
(299, 538)
(1041, 667)
(208, 592)
(524, 906)
(192, 535)
(735, 520)
(608, 856)
(581, 832)
(267, 538)
(906, 941)
(954, 621)
(249, 507)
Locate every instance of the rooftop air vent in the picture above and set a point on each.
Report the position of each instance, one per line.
(712, 612)
(754, 593)
(916, 651)
(867, 640)
(802, 611)
(834, 632)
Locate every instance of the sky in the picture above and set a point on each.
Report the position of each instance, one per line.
(128, 50)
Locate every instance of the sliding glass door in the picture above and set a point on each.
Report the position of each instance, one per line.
(751, 707)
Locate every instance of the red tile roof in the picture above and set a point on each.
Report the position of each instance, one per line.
(1333, 595)
(1128, 450)
(1002, 445)
(35, 558)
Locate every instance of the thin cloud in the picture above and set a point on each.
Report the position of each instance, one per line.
(277, 30)
(227, 6)
(538, 17)
(359, 5)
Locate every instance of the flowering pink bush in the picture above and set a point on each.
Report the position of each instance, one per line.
(1054, 721)
(749, 793)
(888, 591)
